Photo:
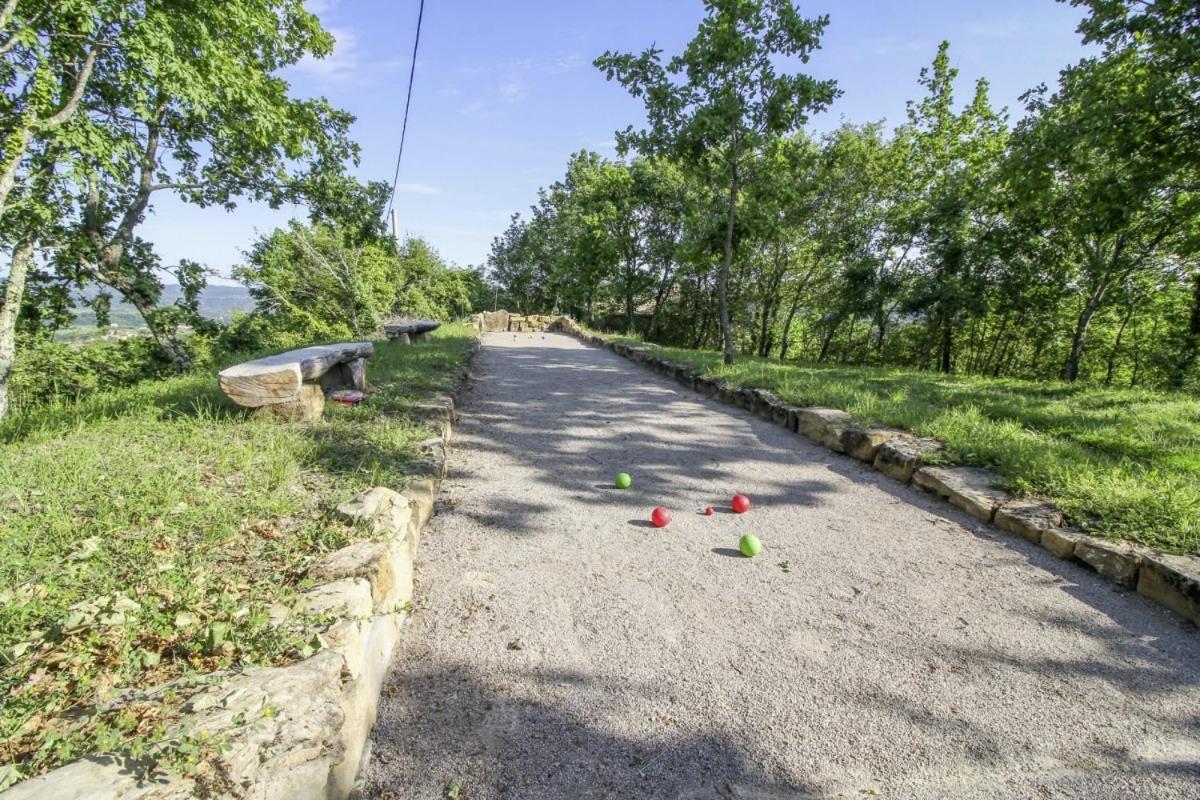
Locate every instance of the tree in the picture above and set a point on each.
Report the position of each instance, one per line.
(955, 157)
(1109, 207)
(153, 115)
(721, 100)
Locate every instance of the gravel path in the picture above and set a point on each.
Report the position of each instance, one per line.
(563, 648)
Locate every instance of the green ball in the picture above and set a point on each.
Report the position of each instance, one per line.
(750, 545)
(623, 480)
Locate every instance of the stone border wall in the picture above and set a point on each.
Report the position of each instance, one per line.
(298, 732)
(1172, 581)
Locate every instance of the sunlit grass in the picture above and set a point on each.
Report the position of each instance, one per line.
(1124, 462)
(145, 534)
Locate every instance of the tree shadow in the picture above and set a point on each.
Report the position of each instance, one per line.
(495, 737)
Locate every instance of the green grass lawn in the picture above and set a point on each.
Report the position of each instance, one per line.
(1122, 462)
(146, 533)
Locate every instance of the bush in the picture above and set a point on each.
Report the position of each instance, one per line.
(46, 370)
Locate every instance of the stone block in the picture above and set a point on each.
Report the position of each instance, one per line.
(973, 490)
(864, 443)
(387, 512)
(1062, 541)
(421, 495)
(815, 422)
(899, 458)
(308, 405)
(1028, 519)
(1116, 561)
(1172, 581)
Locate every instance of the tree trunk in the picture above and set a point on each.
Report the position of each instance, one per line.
(726, 264)
(664, 289)
(1112, 353)
(946, 356)
(787, 329)
(1071, 367)
(1191, 348)
(833, 326)
(10, 308)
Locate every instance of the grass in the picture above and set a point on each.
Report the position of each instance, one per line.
(1124, 463)
(145, 535)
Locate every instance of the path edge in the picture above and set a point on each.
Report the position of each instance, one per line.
(1171, 581)
(301, 731)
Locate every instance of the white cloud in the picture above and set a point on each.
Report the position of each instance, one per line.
(341, 66)
(417, 188)
(471, 108)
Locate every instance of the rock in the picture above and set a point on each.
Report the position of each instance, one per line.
(706, 386)
(765, 403)
(1028, 518)
(969, 488)
(899, 458)
(386, 566)
(864, 443)
(386, 511)
(823, 425)
(1172, 581)
(493, 321)
(1116, 561)
(307, 405)
(1062, 541)
(280, 729)
(780, 415)
(432, 461)
(420, 494)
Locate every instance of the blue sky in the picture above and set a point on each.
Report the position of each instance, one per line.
(506, 91)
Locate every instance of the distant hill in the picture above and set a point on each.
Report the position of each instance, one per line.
(216, 302)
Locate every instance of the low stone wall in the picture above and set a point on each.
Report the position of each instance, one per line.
(1172, 581)
(504, 322)
(297, 732)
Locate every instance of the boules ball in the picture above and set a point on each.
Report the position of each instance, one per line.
(750, 545)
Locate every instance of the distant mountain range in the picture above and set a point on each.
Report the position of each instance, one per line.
(216, 302)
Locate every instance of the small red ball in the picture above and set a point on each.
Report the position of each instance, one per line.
(741, 503)
(709, 511)
(660, 517)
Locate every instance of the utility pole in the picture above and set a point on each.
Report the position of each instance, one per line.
(395, 235)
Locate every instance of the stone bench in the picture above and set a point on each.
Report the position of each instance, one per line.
(410, 331)
(293, 384)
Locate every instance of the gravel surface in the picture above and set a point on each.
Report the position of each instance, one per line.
(882, 644)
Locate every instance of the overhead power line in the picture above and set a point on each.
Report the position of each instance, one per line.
(412, 71)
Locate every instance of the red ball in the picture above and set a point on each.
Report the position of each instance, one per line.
(708, 512)
(660, 517)
(741, 503)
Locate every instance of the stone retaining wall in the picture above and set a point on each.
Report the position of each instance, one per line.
(503, 321)
(297, 732)
(1172, 581)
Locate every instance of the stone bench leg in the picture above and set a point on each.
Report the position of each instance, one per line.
(357, 373)
(307, 407)
(419, 337)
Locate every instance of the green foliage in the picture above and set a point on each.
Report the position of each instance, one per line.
(324, 282)
(146, 532)
(719, 102)
(1066, 248)
(49, 371)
